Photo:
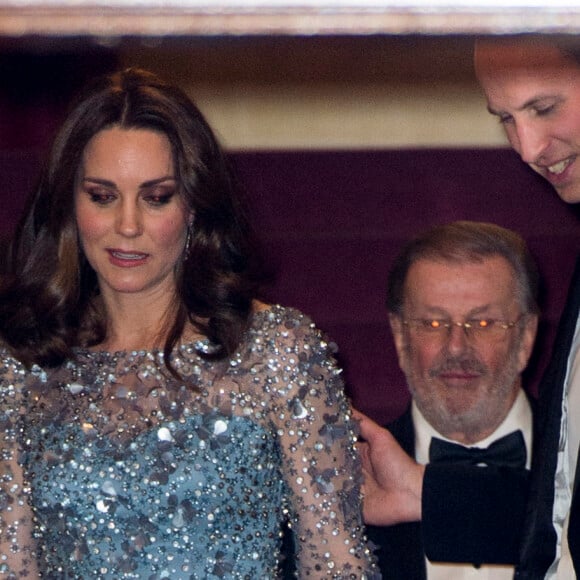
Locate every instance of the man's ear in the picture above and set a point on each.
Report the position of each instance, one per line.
(528, 338)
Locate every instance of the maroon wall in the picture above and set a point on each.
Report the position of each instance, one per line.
(331, 222)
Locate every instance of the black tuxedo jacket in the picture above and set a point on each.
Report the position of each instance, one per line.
(470, 514)
(538, 548)
(399, 548)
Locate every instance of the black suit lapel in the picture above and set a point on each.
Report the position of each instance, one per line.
(538, 548)
(401, 555)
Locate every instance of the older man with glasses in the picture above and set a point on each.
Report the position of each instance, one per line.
(463, 313)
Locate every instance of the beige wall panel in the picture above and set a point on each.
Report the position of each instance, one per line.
(252, 117)
(330, 93)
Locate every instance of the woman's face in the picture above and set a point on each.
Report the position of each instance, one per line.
(131, 219)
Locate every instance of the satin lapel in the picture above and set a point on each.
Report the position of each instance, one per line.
(412, 551)
(539, 539)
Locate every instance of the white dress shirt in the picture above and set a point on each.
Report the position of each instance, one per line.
(562, 567)
(519, 417)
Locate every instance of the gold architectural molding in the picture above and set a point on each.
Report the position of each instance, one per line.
(284, 17)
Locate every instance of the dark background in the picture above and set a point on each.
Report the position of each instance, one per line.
(330, 222)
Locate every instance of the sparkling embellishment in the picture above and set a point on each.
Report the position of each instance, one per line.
(75, 388)
(136, 474)
(163, 434)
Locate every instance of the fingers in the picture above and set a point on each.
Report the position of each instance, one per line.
(368, 428)
(364, 453)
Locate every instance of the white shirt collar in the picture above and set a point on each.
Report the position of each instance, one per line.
(518, 417)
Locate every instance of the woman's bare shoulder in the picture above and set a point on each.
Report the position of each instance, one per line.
(259, 306)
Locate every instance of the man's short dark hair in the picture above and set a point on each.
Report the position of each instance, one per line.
(466, 242)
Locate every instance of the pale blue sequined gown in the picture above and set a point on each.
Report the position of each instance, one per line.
(135, 474)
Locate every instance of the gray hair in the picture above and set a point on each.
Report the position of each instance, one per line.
(467, 241)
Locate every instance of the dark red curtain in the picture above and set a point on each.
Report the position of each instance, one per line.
(329, 222)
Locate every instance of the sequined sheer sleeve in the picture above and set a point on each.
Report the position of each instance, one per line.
(16, 544)
(320, 464)
(134, 473)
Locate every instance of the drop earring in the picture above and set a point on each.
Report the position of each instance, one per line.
(187, 246)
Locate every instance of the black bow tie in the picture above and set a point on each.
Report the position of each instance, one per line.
(508, 451)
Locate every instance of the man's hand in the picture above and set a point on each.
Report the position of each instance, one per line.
(392, 480)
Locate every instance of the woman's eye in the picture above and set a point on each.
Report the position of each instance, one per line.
(158, 199)
(101, 197)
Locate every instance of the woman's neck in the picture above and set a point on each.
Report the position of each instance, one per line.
(137, 321)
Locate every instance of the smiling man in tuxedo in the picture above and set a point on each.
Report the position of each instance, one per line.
(463, 313)
(532, 84)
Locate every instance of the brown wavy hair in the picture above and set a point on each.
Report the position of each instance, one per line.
(466, 242)
(49, 302)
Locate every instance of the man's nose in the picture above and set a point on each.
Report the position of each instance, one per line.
(532, 141)
(457, 338)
